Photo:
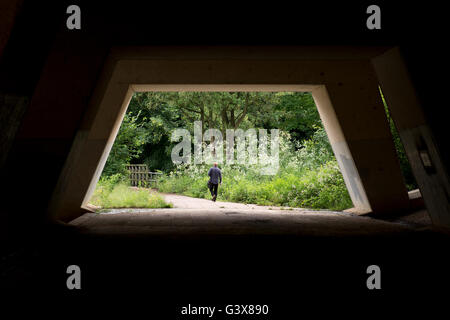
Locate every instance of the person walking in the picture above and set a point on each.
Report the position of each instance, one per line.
(215, 178)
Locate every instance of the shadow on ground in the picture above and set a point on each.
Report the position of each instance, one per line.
(159, 261)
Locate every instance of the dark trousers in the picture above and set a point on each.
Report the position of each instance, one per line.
(213, 189)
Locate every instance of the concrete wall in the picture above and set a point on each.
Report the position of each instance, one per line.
(49, 74)
(346, 93)
(416, 136)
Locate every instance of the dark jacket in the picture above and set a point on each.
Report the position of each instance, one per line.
(215, 175)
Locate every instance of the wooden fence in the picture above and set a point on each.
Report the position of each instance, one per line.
(141, 177)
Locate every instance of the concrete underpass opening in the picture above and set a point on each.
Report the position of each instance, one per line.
(323, 104)
(344, 84)
(232, 135)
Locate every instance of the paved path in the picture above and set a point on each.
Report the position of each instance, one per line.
(185, 202)
(179, 201)
(192, 216)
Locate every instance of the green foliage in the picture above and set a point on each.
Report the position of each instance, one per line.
(127, 146)
(410, 180)
(315, 151)
(144, 136)
(309, 178)
(297, 114)
(113, 192)
(308, 175)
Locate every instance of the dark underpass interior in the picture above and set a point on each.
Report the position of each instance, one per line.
(62, 93)
(158, 274)
(294, 268)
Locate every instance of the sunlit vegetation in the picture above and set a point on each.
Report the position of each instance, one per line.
(308, 174)
(114, 192)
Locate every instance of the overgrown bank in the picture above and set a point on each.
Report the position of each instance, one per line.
(114, 192)
(308, 175)
(307, 178)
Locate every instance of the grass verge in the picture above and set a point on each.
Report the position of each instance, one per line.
(119, 195)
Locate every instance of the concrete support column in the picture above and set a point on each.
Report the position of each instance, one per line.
(88, 155)
(358, 130)
(422, 151)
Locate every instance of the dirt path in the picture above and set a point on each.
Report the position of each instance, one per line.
(185, 202)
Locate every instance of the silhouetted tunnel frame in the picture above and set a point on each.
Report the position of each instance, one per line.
(343, 81)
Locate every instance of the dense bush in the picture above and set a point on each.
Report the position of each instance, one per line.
(308, 178)
(127, 146)
(410, 180)
(308, 174)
